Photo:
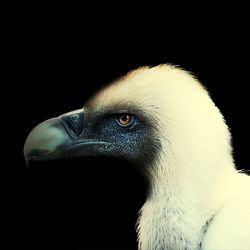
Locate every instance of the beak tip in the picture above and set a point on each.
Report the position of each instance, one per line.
(27, 160)
(25, 154)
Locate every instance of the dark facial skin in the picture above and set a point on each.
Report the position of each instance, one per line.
(135, 142)
(101, 133)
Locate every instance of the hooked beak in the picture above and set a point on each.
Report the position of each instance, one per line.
(62, 137)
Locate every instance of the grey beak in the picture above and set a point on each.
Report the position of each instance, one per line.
(51, 139)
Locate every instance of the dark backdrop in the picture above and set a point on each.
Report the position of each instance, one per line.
(52, 66)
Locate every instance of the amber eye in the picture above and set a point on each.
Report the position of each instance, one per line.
(124, 119)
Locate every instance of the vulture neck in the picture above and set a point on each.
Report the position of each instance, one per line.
(181, 203)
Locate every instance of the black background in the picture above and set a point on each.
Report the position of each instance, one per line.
(54, 62)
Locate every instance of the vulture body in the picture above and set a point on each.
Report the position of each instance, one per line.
(164, 121)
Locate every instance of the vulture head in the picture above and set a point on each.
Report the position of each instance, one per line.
(163, 121)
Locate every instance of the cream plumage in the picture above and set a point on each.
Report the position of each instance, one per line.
(197, 199)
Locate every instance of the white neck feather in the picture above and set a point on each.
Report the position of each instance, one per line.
(179, 207)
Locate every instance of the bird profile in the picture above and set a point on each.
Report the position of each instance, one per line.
(163, 120)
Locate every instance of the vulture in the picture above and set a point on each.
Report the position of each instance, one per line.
(163, 121)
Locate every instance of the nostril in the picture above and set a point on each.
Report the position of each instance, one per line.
(73, 122)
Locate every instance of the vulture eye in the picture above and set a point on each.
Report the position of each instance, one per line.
(125, 120)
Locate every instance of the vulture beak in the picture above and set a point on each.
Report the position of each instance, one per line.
(59, 138)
